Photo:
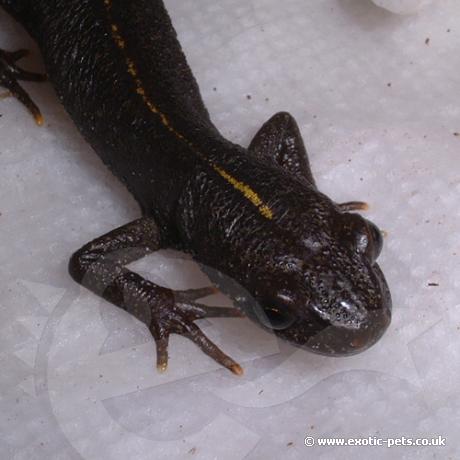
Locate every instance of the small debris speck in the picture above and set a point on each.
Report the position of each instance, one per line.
(389, 84)
(290, 444)
(433, 284)
(267, 99)
(457, 134)
(448, 30)
(261, 391)
(192, 451)
(214, 89)
(248, 97)
(427, 41)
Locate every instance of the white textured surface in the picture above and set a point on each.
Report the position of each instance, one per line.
(403, 6)
(378, 106)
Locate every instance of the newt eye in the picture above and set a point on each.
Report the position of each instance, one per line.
(375, 243)
(362, 235)
(277, 319)
(370, 241)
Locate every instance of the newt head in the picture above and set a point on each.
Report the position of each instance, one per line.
(326, 294)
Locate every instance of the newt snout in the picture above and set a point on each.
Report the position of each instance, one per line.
(343, 341)
(339, 322)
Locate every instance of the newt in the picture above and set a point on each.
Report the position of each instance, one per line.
(293, 260)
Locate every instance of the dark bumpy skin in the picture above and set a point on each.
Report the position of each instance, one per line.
(293, 260)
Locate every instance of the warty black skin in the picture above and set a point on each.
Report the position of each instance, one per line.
(293, 260)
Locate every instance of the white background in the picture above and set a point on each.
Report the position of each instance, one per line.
(378, 105)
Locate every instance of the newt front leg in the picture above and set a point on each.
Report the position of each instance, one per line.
(100, 267)
(10, 74)
(279, 140)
